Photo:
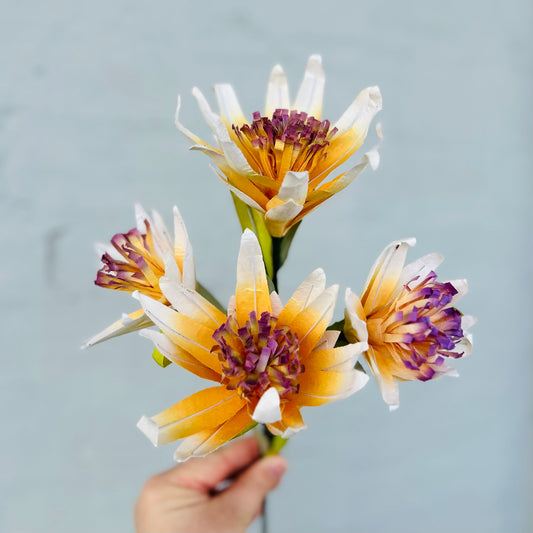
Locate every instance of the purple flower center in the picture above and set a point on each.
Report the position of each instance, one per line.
(421, 324)
(258, 356)
(288, 141)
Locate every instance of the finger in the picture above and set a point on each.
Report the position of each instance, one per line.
(206, 473)
(245, 497)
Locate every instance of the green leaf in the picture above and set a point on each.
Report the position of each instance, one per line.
(202, 291)
(276, 444)
(160, 359)
(285, 244)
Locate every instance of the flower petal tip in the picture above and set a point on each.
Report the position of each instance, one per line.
(149, 428)
(267, 410)
(394, 407)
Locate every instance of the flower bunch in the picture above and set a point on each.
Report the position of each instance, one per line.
(268, 360)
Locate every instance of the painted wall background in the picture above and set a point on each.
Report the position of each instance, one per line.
(87, 97)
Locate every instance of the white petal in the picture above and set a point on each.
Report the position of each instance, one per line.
(385, 273)
(420, 268)
(150, 429)
(232, 153)
(246, 199)
(140, 217)
(183, 249)
(311, 92)
(123, 325)
(352, 319)
(193, 138)
(468, 321)
(190, 303)
(172, 271)
(311, 288)
(461, 286)
(268, 410)
(277, 92)
(162, 239)
(294, 187)
(231, 306)
(328, 340)
(230, 110)
(361, 112)
(277, 306)
(278, 218)
(103, 248)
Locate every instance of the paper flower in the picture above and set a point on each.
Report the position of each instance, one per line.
(277, 163)
(408, 319)
(137, 260)
(268, 361)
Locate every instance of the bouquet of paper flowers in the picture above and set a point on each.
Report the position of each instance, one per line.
(266, 359)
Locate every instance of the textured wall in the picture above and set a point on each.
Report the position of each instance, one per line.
(87, 96)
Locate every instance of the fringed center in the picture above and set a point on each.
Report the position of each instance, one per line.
(140, 269)
(258, 356)
(422, 326)
(288, 141)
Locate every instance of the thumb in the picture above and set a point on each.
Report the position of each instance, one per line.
(244, 499)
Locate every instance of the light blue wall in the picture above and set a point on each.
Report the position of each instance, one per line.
(87, 96)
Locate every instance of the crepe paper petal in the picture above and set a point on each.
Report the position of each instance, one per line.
(140, 258)
(202, 410)
(205, 442)
(311, 288)
(270, 360)
(294, 187)
(183, 331)
(340, 359)
(311, 92)
(267, 409)
(278, 218)
(178, 356)
(355, 318)
(408, 320)
(191, 303)
(252, 293)
(384, 275)
(311, 323)
(126, 324)
(255, 157)
(277, 91)
(230, 109)
(291, 423)
(328, 340)
(361, 112)
(335, 386)
(275, 300)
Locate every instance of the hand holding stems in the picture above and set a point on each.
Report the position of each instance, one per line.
(185, 498)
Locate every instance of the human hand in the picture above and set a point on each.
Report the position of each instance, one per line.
(184, 498)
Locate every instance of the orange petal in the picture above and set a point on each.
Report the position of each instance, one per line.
(205, 409)
(384, 275)
(319, 387)
(179, 356)
(187, 333)
(209, 440)
(311, 323)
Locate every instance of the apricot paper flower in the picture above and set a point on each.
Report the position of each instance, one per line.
(268, 361)
(277, 163)
(137, 260)
(408, 319)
